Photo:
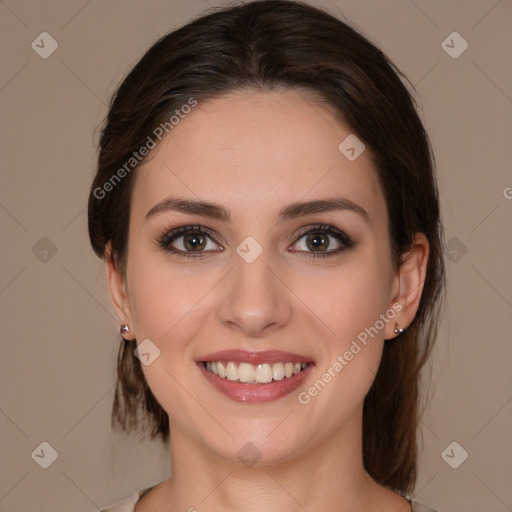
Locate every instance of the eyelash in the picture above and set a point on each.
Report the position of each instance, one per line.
(165, 239)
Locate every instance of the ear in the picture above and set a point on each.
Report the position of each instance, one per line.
(408, 284)
(118, 293)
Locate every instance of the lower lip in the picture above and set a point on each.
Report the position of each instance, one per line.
(255, 393)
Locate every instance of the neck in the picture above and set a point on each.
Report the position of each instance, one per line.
(329, 476)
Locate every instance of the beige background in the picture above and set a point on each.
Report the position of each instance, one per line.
(59, 334)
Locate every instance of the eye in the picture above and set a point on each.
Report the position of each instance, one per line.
(318, 240)
(187, 240)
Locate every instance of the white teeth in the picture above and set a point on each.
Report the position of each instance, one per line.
(260, 374)
(232, 371)
(278, 371)
(263, 373)
(246, 372)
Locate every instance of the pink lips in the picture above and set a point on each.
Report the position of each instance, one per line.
(255, 393)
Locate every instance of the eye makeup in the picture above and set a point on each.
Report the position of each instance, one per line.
(197, 234)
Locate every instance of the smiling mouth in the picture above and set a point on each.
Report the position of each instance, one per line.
(247, 373)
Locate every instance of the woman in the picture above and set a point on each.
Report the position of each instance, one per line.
(267, 208)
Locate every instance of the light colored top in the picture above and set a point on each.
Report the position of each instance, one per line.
(128, 504)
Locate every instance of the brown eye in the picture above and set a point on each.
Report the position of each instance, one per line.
(191, 242)
(186, 240)
(194, 242)
(322, 241)
(317, 241)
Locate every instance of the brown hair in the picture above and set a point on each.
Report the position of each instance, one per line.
(265, 45)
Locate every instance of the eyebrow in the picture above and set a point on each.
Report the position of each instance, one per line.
(291, 211)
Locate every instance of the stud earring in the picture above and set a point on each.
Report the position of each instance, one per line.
(398, 330)
(124, 329)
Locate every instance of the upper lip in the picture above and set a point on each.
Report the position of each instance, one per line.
(245, 356)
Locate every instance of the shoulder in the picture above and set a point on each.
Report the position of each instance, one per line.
(127, 504)
(419, 506)
(416, 505)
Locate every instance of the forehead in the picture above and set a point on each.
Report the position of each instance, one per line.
(255, 152)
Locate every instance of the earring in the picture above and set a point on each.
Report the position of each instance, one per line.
(124, 329)
(397, 329)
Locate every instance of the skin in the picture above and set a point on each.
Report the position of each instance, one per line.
(255, 153)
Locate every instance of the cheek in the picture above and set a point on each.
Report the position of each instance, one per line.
(166, 308)
(351, 304)
(162, 300)
(348, 299)
(170, 308)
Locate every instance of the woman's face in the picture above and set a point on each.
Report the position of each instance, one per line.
(252, 282)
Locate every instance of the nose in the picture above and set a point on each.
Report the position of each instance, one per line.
(253, 298)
